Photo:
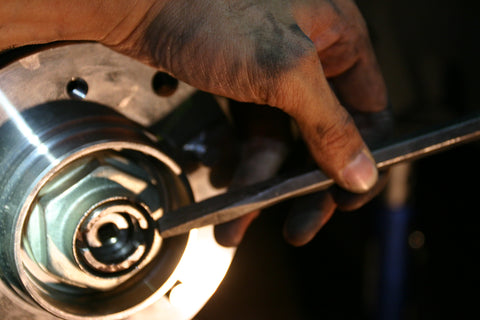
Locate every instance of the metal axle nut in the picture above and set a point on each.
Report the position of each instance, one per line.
(92, 224)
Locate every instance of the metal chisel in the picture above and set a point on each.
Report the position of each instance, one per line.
(234, 204)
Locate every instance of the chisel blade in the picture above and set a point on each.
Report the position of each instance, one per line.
(234, 204)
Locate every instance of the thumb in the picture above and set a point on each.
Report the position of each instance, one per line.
(328, 129)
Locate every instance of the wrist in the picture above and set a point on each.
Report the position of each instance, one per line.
(27, 22)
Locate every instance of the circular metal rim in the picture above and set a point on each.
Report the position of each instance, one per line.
(23, 273)
(87, 260)
(22, 70)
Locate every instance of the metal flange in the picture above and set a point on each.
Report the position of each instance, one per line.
(82, 183)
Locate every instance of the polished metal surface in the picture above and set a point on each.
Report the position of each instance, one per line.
(82, 183)
(79, 184)
(102, 204)
(234, 204)
(111, 79)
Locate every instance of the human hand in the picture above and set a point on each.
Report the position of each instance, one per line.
(274, 52)
(255, 51)
(266, 141)
(287, 54)
(308, 214)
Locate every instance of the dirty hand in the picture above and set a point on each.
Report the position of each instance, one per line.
(266, 141)
(274, 52)
(278, 53)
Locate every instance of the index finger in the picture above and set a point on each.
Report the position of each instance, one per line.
(350, 63)
(362, 87)
(328, 129)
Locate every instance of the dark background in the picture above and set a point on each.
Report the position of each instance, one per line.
(414, 261)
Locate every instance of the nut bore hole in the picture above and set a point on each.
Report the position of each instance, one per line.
(108, 234)
(117, 237)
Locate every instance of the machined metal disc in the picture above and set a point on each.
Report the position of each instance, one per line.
(83, 182)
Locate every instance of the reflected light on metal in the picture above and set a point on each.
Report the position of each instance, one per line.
(416, 239)
(205, 266)
(24, 128)
(180, 279)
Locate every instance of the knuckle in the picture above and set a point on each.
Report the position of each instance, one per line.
(336, 136)
(278, 61)
(277, 56)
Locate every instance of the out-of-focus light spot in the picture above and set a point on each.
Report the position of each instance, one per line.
(186, 299)
(204, 267)
(416, 239)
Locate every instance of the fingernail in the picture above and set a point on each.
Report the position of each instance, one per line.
(361, 174)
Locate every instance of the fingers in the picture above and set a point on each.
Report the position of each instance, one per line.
(265, 135)
(230, 234)
(266, 60)
(350, 63)
(375, 127)
(362, 87)
(346, 58)
(257, 53)
(328, 129)
(341, 39)
(308, 215)
(261, 159)
(347, 201)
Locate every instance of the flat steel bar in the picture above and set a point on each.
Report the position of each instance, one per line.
(234, 204)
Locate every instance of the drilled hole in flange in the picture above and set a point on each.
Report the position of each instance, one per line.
(77, 89)
(164, 84)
